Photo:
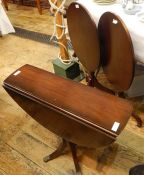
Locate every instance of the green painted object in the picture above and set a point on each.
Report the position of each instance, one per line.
(66, 70)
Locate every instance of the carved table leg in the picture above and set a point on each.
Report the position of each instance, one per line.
(138, 119)
(57, 152)
(75, 159)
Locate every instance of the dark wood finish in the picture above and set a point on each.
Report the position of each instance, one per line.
(84, 37)
(117, 53)
(5, 4)
(59, 151)
(21, 2)
(39, 6)
(78, 113)
(75, 159)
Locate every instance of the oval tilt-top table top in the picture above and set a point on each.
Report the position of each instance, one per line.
(117, 53)
(84, 37)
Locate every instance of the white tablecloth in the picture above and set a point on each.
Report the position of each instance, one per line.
(5, 25)
(135, 27)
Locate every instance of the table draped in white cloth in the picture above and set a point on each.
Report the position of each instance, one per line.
(135, 27)
(5, 24)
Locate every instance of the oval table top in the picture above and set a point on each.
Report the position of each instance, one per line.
(84, 37)
(117, 52)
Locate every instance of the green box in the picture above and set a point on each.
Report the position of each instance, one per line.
(66, 70)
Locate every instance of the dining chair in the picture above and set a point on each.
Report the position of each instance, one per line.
(79, 114)
(5, 4)
(38, 5)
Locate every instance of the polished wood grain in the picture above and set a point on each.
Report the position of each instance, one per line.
(84, 36)
(117, 53)
(81, 114)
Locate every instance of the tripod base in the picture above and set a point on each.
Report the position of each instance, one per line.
(60, 150)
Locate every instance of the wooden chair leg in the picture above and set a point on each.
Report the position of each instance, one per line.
(138, 119)
(57, 152)
(75, 159)
(21, 2)
(39, 7)
(5, 4)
